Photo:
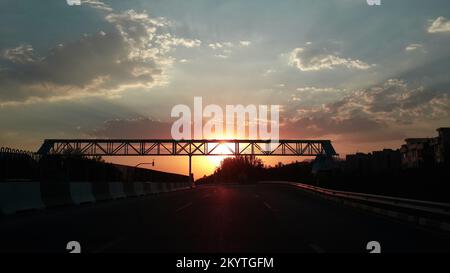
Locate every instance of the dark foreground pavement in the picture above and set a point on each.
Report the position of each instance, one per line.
(211, 219)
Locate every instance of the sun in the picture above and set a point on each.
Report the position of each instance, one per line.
(217, 159)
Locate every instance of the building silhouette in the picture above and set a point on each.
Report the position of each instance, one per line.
(424, 152)
(375, 162)
(415, 153)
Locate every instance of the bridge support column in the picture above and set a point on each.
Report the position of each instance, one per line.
(190, 169)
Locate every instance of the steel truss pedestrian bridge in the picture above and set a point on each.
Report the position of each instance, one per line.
(165, 147)
(170, 147)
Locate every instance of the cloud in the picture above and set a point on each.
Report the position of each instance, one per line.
(365, 113)
(268, 72)
(413, 47)
(135, 54)
(439, 25)
(314, 59)
(21, 54)
(219, 45)
(310, 96)
(225, 48)
(97, 5)
(132, 128)
(221, 56)
(189, 43)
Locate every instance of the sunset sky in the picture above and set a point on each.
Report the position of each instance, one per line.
(364, 77)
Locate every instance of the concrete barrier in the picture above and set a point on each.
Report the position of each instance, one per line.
(129, 190)
(101, 191)
(182, 186)
(147, 187)
(56, 194)
(81, 192)
(165, 187)
(139, 188)
(157, 187)
(116, 190)
(20, 196)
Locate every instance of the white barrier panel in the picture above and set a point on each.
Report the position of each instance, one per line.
(81, 193)
(19, 196)
(155, 187)
(139, 188)
(116, 190)
(147, 187)
(165, 187)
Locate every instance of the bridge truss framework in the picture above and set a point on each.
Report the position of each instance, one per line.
(167, 147)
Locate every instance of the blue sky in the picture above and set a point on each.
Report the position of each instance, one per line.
(365, 77)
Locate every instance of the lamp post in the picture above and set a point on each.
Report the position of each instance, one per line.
(140, 164)
(146, 163)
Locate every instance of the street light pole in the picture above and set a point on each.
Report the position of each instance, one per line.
(190, 169)
(140, 164)
(146, 163)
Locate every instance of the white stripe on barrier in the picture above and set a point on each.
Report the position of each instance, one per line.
(147, 187)
(81, 193)
(19, 196)
(116, 190)
(153, 188)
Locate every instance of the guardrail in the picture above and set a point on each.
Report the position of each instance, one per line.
(436, 209)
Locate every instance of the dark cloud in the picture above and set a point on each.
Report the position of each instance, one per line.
(134, 54)
(133, 128)
(373, 114)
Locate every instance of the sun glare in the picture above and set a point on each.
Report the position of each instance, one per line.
(217, 159)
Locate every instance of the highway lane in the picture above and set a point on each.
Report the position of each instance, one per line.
(223, 218)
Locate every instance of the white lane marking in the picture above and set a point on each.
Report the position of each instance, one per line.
(269, 206)
(108, 245)
(316, 248)
(184, 207)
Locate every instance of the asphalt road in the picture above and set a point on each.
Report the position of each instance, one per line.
(215, 219)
